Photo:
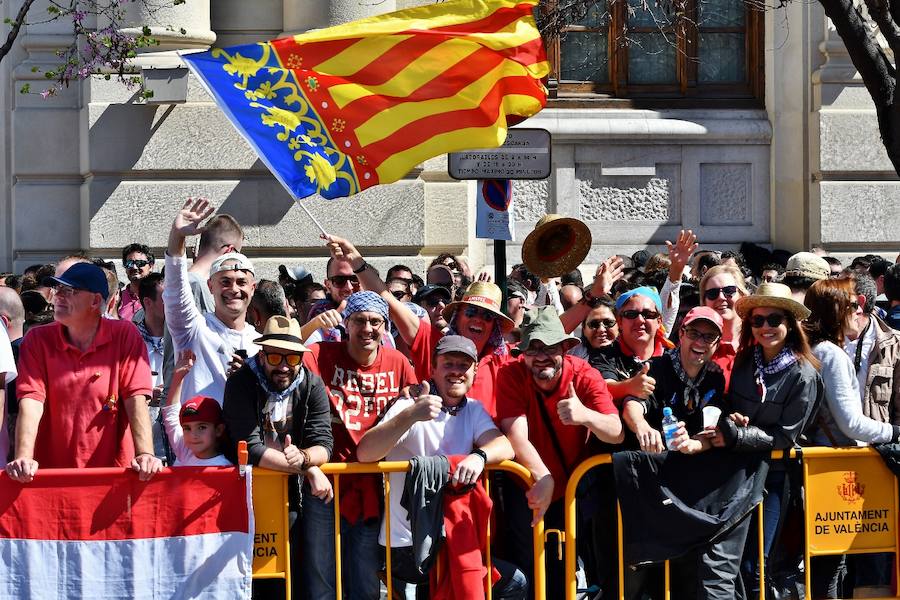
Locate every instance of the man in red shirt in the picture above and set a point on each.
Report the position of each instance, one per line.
(361, 377)
(84, 383)
(549, 404)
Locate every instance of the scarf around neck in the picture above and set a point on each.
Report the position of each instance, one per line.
(155, 343)
(692, 400)
(276, 408)
(782, 361)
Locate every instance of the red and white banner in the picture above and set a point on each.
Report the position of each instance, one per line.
(102, 533)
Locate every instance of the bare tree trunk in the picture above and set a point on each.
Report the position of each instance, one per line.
(16, 27)
(876, 70)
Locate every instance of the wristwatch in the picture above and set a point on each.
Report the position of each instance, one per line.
(481, 453)
(362, 268)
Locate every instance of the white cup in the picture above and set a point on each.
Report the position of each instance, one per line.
(711, 416)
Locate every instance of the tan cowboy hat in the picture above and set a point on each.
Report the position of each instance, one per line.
(486, 295)
(282, 333)
(557, 246)
(771, 295)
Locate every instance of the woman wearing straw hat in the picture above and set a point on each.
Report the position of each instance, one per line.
(774, 391)
(477, 316)
(841, 420)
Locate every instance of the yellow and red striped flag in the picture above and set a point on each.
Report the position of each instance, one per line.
(339, 110)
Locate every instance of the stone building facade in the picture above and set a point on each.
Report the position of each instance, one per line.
(96, 169)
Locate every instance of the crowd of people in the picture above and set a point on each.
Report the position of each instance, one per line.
(177, 365)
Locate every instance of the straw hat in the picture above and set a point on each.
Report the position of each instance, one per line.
(282, 333)
(557, 245)
(486, 295)
(771, 295)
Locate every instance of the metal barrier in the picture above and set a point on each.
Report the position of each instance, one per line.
(271, 550)
(339, 469)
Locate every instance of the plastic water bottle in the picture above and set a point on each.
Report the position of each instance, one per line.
(669, 427)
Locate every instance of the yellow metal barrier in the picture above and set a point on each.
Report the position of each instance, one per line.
(271, 552)
(339, 469)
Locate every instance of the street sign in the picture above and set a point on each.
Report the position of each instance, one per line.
(493, 210)
(524, 155)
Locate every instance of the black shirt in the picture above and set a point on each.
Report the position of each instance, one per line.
(669, 392)
(614, 364)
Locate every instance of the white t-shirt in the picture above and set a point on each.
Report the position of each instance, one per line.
(447, 435)
(7, 366)
(183, 455)
(868, 342)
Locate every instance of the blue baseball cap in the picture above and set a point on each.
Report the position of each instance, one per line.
(82, 276)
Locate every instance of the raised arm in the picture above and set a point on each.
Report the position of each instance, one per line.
(679, 254)
(609, 271)
(382, 438)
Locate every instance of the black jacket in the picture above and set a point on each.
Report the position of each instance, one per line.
(244, 403)
(673, 503)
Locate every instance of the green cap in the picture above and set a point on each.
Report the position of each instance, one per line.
(543, 324)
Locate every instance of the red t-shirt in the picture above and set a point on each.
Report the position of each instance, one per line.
(724, 357)
(85, 423)
(517, 395)
(422, 348)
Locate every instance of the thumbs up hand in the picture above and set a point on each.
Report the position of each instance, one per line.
(292, 453)
(426, 407)
(641, 385)
(570, 409)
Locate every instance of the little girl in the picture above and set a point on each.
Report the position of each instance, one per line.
(195, 429)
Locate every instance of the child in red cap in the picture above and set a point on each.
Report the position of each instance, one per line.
(195, 429)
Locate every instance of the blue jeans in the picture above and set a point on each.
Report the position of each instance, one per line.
(771, 517)
(360, 554)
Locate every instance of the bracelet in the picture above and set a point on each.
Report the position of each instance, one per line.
(587, 296)
(480, 453)
(362, 268)
(305, 456)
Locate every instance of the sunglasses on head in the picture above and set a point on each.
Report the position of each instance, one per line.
(773, 320)
(341, 280)
(708, 338)
(274, 359)
(606, 323)
(634, 314)
(728, 291)
(136, 264)
(475, 311)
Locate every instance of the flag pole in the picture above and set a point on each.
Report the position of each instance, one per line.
(312, 218)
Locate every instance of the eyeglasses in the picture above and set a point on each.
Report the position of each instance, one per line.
(773, 320)
(342, 280)
(708, 338)
(646, 313)
(728, 291)
(274, 359)
(553, 350)
(432, 301)
(606, 323)
(481, 313)
(136, 264)
(400, 294)
(374, 322)
(65, 291)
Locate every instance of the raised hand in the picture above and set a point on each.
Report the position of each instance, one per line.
(195, 211)
(340, 248)
(426, 407)
(610, 271)
(681, 251)
(642, 385)
(570, 409)
(185, 361)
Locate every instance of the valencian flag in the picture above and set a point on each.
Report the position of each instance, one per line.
(102, 533)
(339, 110)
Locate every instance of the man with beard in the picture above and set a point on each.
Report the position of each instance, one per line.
(281, 410)
(686, 381)
(549, 404)
(220, 340)
(362, 377)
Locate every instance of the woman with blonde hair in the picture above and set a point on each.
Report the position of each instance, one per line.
(720, 288)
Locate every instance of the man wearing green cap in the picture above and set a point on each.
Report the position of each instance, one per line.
(548, 404)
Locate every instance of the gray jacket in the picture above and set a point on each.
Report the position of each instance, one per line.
(881, 400)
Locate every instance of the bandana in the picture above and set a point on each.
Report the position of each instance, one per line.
(277, 409)
(495, 344)
(155, 343)
(649, 292)
(785, 359)
(366, 302)
(692, 400)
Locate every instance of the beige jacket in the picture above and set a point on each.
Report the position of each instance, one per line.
(882, 394)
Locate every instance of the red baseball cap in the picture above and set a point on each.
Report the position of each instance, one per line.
(201, 409)
(705, 313)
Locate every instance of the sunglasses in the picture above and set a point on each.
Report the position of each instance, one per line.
(773, 320)
(854, 306)
(400, 294)
(342, 280)
(597, 323)
(482, 313)
(728, 291)
(375, 322)
(646, 313)
(554, 350)
(432, 301)
(274, 359)
(136, 264)
(64, 291)
(708, 338)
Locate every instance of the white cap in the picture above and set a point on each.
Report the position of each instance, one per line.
(242, 263)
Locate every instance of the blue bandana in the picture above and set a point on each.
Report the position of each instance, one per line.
(649, 292)
(368, 302)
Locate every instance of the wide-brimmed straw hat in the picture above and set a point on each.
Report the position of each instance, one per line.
(282, 333)
(486, 295)
(543, 324)
(771, 295)
(557, 245)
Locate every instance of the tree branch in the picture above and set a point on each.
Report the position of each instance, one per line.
(880, 13)
(16, 26)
